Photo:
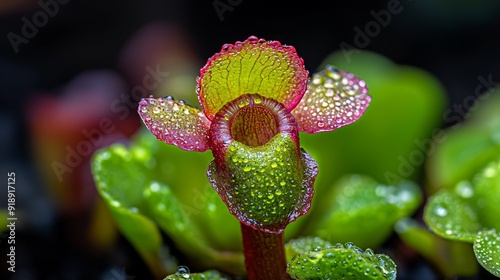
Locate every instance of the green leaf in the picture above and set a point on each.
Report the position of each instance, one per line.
(303, 245)
(485, 111)
(152, 184)
(168, 212)
(469, 145)
(122, 192)
(487, 250)
(342, 262)
(185, 174)
(451, 217)
(359, 204)
(451, 258)
(183, 274)
(463, 154)
(487, 195)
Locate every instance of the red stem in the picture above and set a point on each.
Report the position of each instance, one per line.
(264, 254)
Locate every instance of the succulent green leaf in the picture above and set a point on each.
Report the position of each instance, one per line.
(183, 274)
(450, 258)
(469, 145)
(451, 217)
(168, 212)
(464, 153)
(342, 262)
(487, 250)
(152, 183)
(487, 195)
(121, 190)
(359, 204)
(303, 245)
(485, 111)
(185, 174)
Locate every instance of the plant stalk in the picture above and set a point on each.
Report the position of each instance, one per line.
(264, 254)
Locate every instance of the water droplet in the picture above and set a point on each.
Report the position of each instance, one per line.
(464, 189)
(441, 211)
(183, 272)
(329, 92)
(316, 80)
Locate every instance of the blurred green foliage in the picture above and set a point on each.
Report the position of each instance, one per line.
(470, 213)
(464, 186)
(469, 145)
(390, 141)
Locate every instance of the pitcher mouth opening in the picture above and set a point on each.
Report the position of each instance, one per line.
(253, 120)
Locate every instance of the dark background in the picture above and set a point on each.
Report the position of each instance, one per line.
(457, 41)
